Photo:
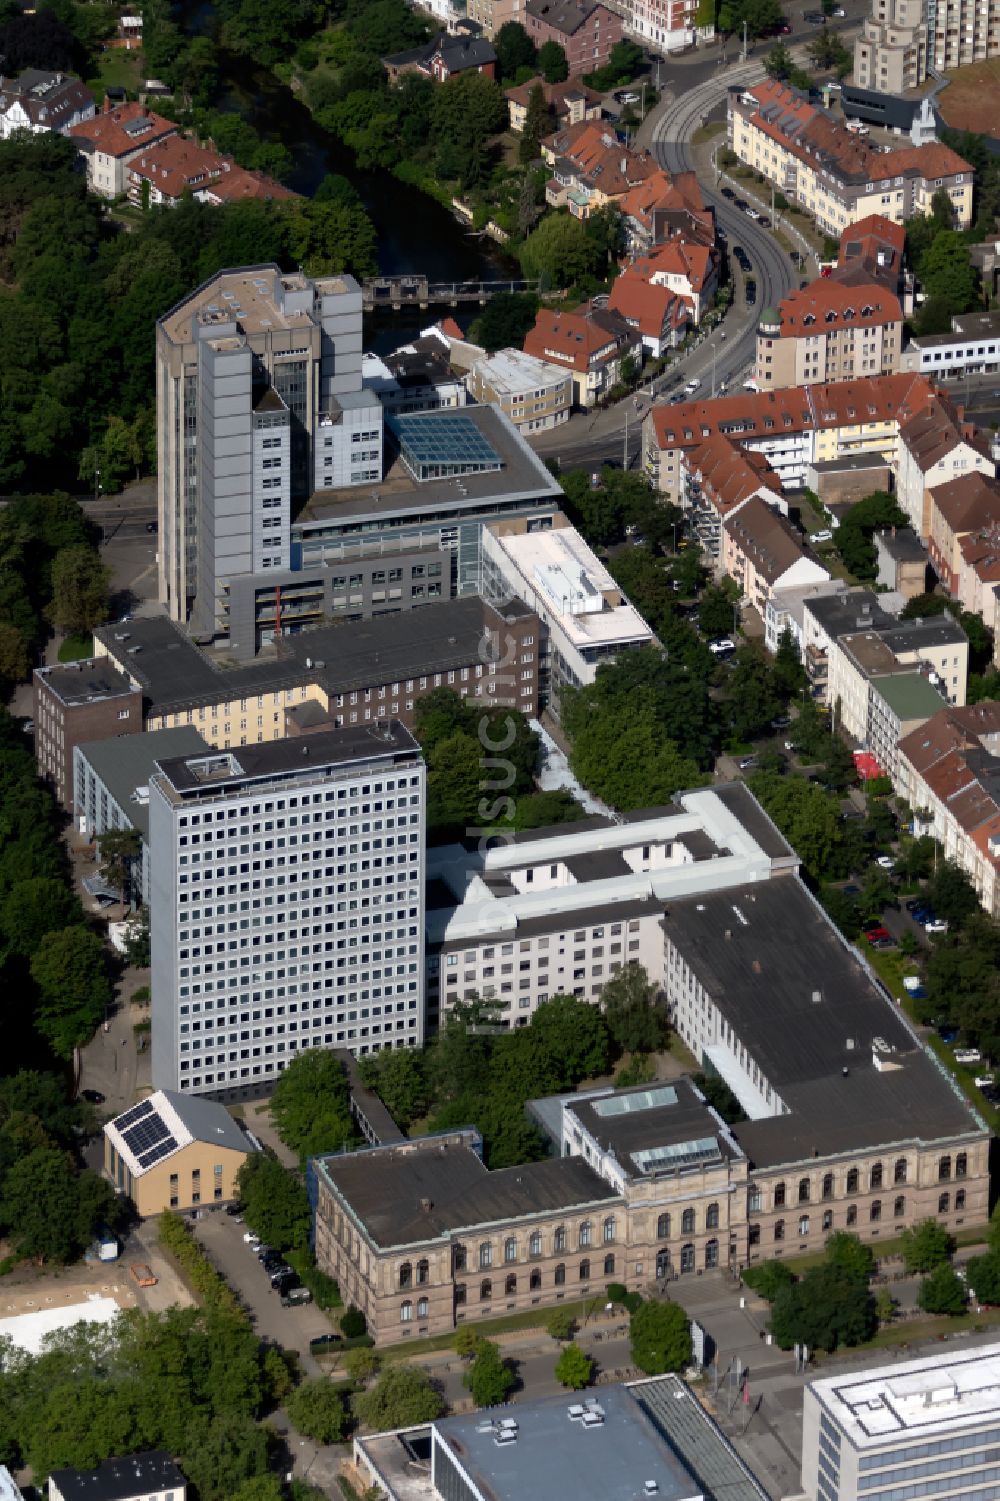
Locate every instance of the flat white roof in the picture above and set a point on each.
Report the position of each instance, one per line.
(511, 372)
(920, 1398)
(29, 1330)
(566, 582)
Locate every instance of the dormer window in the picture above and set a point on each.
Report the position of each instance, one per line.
(809, 319)
(867, 310)
(831, 317)
(848, 313)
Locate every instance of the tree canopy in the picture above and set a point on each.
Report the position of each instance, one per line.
(402, 1395)
(829, 1306)
(660, 1335)
(311, 1106)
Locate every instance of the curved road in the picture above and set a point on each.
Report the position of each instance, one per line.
(771, 267)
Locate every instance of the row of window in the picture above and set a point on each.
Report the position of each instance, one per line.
(687, 1222)
(876, 1180)
(585, 1237)
(874, 1215)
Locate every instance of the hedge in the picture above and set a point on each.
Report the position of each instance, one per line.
(205, 1281)
(326, 1293)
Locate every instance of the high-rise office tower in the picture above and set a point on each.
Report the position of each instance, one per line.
(286, 905)
(904, 40)
(259, 402)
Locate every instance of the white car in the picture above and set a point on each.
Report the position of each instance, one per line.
(936, 925)
(250, 1239)
(692, 386)
(752, 213)
(885, 862)
(824, 536)
(721, 647)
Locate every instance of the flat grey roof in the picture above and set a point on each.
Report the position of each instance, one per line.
(745, 808)
(228, 768)
(683, 1116)
(853, 610)
(933, 630)
(850, 462)
(408, 1195)
(903, 544)
(83, 682)
(522, 475)
(799, 999)
(175, 673)
(562, 1459)
(129, 761)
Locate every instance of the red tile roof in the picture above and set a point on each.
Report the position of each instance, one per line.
(764, 538)
(650, 308)
(176, 165)
(826, 306)
(122, 130)
(600, 159)
(727, 474)
(952, 729)
(968, 502)
(676, 257)
(579, 339)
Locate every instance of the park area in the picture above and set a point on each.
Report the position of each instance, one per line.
(970, 100)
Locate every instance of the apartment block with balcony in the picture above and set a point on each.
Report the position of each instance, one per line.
(829, 332)
(890, 55)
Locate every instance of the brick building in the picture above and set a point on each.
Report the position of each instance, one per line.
(586, 31)
(91, 700)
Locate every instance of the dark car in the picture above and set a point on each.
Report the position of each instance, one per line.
(92, 1096)
(728, 193)
(264, 1251)
(741, 204)
(152, 526)
(874, 925)
(764, 222)
(751, 293)
(325, 1339)
(234, 1210)
(852, 890)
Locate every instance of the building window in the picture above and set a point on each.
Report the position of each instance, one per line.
(779, 1229)
(535, 1243)
(803, 1224)
(711, 1254)
(560, 1275)
(585, 1234)
(535, 1280)
(899, 1171)
(827, 1219)
(609, 1266)
(405, 1274)
(423, 1273)
(486, 1254)
(458, 1259)
(510, 1286)
(712, 1217)
(585, 1270)
(960, 1201)
(510, 1249)
(944, 1203)
(961, 1165)
(663, 1227)
(485, 1290)
(944, 1169)
(559, 1239)
(828, 1185)
(803, 1190)
(687, 1257)
(852, 1181)
(875, 1177)
(899, 1208)
(779, 1195)
(609, 1230)
(422, 1308)
(687, 1222)
(405, 1312)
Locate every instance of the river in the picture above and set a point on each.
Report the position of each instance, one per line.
(415, 233)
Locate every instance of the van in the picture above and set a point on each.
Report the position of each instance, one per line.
(295, 1296)
(692, 386)
(823, 536)
(968, 1055)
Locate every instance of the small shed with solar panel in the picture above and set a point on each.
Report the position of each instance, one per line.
(174, 1151)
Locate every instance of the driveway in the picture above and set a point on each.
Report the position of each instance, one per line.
(292, 1328)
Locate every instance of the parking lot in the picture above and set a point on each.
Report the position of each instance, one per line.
(222, 1238)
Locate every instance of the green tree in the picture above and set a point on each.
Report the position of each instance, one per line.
(552, 63)
(788, 675)
(721, 1098)
(467, 1341)
(951, 893)
(848, 1252)
(925, 1246)
(572, 1033)
(505, 321)
(768, 1278)
(49, 1210)
(635, 1017)
(15, 662)
(561, 252)
(403, 1395)
(574, 1368)
(560, 1323)
(80, 590)
(316, 1410)
(942, 1291)
(119, 850)
(661, 1338)
(947, 273)
(71, 973)
(489, 1378)
(514, 49)
(538, 123)
(778, 62)
(716, 609)
(853, 537)
(353, 1322)
(310, 1105)
(984, 1276)
(886, 1306)
(275, 1202)
(827, 1307)
(361, 1364)
(399, 1079)
(219, 1458)
(33, 908)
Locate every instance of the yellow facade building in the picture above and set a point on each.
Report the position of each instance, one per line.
(175, 1151)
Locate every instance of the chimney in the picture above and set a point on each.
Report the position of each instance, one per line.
(106, 109)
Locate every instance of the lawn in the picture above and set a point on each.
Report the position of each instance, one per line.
(117, 69)
(531, 1318)
(708, 132)
(76, 648)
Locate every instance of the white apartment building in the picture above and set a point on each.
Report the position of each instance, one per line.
(561, 911)
(287, 898)
(585, 617)
(972, 348)
(924, 1427)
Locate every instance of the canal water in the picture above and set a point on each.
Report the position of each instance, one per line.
(415, 233)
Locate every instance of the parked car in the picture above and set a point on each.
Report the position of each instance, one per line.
(968, 1055)
(823, 536)
(852, 890)
(750, 292)
(947, 1034)
(252, 1239)
(325, 1339)
(296, 1296)
(878, 936)
(935, 925)
(781, 723)
(885, 862)
(692, 386)
(741, 204)
(235, 1211)
(748, 763)
(722, 646)
(984, 1081)
(627, 98)
(92, 1096)
(728, 193)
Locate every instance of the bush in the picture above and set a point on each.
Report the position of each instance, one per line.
(661, 1338)
(204, 1280)
(617, 1292)
(317, 1411)
(768, 1278)
(560, 1323)
(326, 1293)
(353, 1323)
(942, 1291)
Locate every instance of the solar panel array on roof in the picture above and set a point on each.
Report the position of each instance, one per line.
(148, 1137)
(431, 448)
(131, 1116)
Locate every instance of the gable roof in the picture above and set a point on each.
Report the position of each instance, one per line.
(827, 305)
(566, 16)
(577, 338)
(968, 502)
(649, 307)
(47, 98)
(764, 537)
(122, 130)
